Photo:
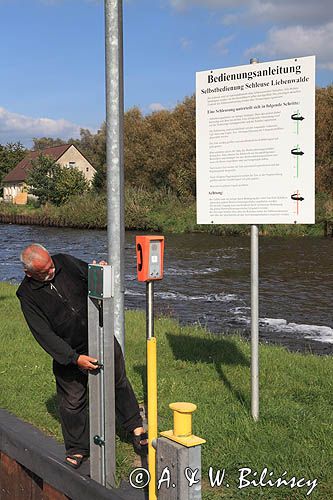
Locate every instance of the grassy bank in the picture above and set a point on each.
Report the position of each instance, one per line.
(295, 430)
(163, 211)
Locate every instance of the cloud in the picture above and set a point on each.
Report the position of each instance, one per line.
(230, 19)
(294, 41)
(221, 45)
(15, 127)
(304, 12)
(185, 43)
(57, 2)
(51, 2)
(156, 106)
(307, 12)
(297, 27)
(183, 4)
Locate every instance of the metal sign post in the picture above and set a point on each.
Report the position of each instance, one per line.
(254, 322)
(101, 381)
(114, 159)
(254, 315)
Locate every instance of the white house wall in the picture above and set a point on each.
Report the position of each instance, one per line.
(11, 191)
(83, 165)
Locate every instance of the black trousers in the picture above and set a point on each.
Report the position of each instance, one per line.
(72, 396)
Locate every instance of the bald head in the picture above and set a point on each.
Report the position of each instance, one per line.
(37, 262)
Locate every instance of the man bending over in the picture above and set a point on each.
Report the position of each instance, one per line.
(53, 298)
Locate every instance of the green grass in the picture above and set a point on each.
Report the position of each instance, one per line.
(295, 430)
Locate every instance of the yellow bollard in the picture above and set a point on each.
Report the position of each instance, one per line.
(182, 418)
(182, 425)
(152, 413)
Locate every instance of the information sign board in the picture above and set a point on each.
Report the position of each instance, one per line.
(255, 143)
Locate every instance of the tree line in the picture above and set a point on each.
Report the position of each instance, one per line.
(159, 148)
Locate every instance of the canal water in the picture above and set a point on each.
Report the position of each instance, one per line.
(207, 280)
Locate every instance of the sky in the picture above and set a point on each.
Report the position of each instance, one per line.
(52, 80)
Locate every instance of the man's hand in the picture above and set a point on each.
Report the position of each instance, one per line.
(101, 263)
(86, 362)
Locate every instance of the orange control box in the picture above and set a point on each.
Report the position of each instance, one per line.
(149, 257)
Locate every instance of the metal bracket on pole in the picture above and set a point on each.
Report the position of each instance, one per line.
(101, 381)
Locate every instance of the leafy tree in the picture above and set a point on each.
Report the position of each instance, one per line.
(171, 159)
(93, 146)
(40, 178)
(160, 129)
(182, 176)
(99, 180)
(53, 183)
(10, 155)
(136, 148)
(159, 148)
(67, 182)
(324, 139)
(40, 143)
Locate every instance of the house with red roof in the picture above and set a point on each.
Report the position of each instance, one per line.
(15, 189)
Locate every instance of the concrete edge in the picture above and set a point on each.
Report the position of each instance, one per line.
(43, 456)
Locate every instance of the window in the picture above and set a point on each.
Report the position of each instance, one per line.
(87, 169)
(71, 164)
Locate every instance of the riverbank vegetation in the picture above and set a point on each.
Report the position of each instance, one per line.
(294, 432)
(158, 210)
(160, 173)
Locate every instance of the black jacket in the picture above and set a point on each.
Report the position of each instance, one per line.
(56, 310)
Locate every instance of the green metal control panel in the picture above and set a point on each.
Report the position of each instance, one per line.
(100, 281)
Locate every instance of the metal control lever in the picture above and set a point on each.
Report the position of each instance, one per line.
(97, 364)
(99, 440)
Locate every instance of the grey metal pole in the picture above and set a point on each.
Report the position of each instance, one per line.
(254, 315)
(101, 394)
(150, 309)
(102, 402)
(96, 411)
(254, 322)
(114, 158)
(109, 396)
